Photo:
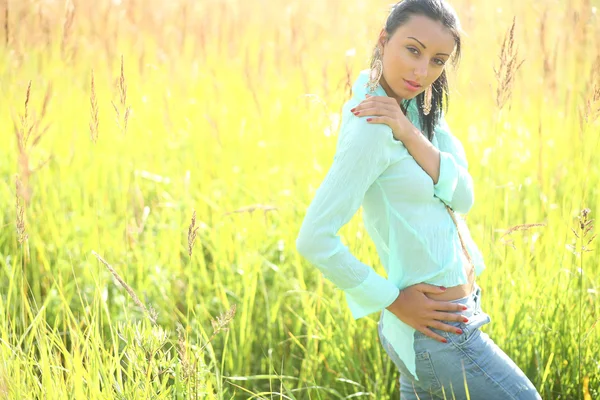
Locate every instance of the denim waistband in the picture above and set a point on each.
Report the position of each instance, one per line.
(475, 294)
(472, 301)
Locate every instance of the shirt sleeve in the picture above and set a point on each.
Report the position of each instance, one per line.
(362, 155)
(455, 185)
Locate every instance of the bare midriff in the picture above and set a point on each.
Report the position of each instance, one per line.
(460, 291)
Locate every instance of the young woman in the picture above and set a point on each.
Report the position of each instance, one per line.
(397, 158)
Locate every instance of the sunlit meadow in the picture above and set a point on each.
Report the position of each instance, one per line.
(157, 159)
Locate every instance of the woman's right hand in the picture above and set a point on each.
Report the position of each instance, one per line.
(414, 308)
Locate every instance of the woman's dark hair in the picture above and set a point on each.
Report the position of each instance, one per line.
(440, 11)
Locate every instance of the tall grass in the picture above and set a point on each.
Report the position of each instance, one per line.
(157, 158)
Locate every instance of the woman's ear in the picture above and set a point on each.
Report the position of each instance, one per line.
(382, 38)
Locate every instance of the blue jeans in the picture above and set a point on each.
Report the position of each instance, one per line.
(472, 356)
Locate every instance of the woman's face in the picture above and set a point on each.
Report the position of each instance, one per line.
(417, 52)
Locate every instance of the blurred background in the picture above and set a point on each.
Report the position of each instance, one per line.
(157, 159)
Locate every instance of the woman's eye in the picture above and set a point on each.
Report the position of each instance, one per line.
(439, 62)
(413, 50)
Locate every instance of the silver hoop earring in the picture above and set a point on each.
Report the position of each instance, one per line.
(427, 100)
(376, 71)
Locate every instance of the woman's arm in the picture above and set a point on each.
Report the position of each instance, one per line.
(447, 166)
(362, 155)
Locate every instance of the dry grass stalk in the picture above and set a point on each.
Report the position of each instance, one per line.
(220, 324)
(6, 25)
(186, 366)
(520, 228)
(250, 209)
(25, 130)
(582, 234)
(20, 211)
(192, 233)
(44, 24)
(123, 109)
(67, 24)
(123, 85)
(590, 111)
(223, 320)
(150, 313)
(585, 226)
(35, 124)
(509, 65)
(126, 118)
(134, 229)
(515, 228)
(94, 111)
(27, 127)
(549, 59)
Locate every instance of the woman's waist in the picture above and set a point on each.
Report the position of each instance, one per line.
(458, 276)
(458, 291)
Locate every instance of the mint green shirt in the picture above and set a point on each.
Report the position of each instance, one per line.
(404, 214)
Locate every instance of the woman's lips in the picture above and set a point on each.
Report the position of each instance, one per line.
(411, 85)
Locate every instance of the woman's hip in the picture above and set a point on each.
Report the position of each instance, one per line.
(470, 362)
(470, 357)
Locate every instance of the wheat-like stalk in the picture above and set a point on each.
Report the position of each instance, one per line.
(150, 313)
(590, 111)
(192, 233)
(221, 323)
(46, 102)
(123, 84)
(94, 112)
(508, 67)
(22, 132)
(582, 242)
(126, 118)
(186, 366)
(515, 228)
(223, 320)
(25, 131)
(585, 226)
(26, 126)
(550, 60)
(67, 24)
(124, 109)
(6, 25)
(251, 208)
(20, 212)
(521, 227)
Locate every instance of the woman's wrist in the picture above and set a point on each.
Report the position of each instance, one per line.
(394, 306)
(407, 132)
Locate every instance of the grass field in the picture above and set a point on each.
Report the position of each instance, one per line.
(157, 159)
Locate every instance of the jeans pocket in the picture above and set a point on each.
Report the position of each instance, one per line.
(445, 334)
(428, 379)
(470, 331)
(465, 337)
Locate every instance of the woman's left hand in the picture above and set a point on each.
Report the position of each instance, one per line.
(384, 110)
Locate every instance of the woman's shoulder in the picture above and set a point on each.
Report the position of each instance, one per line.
(357, 126)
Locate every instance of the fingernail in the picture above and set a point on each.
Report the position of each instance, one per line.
(465, 308)
(466, 320)
(353, 109)
(458, 331)
(442, 287)
(444, 340)
(369, 119)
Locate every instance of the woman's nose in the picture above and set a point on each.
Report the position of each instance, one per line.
(421, 71)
